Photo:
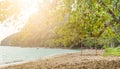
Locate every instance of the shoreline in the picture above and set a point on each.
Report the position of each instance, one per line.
(69, 61)
(28, 61)
(95, 62)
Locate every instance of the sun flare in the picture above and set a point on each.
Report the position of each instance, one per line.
(18, 13)
(16, 22)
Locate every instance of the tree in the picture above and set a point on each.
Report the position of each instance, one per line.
(8, 8)
(89, 19)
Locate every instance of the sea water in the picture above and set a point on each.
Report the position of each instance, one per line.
(17, 54)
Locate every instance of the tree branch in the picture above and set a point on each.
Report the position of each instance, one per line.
(105, 27)
(109, 23)
(109, 10)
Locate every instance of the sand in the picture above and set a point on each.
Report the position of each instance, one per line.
(72, 61)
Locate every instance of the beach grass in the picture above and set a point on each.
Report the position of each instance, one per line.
(112, 51)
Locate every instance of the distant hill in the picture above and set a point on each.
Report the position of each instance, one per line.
(35, 33)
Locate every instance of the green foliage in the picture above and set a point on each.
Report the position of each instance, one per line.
(86, 20)
(8, 8)
(77, 22)
(112, 52)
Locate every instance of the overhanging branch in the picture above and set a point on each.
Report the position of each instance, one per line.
(117, 20)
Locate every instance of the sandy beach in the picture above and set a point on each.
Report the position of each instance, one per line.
(72, 61)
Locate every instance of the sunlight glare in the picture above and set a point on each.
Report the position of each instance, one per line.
(15, 23)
